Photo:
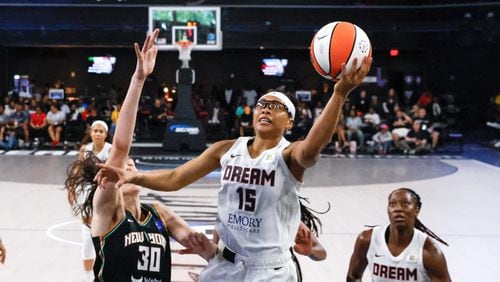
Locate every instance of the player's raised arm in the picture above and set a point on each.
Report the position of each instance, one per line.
(306, 152)
(106, 201)
(122, 140)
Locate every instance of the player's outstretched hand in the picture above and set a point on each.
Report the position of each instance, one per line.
(198, 243)
(146, 57)
(351, 79)
(114, 174)
(303, 241)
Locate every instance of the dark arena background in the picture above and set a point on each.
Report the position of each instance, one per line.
(436, 61)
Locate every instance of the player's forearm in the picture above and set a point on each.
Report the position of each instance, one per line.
(125, 128)
(160, 180)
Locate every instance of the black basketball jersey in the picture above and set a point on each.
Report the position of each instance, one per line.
(134, 251)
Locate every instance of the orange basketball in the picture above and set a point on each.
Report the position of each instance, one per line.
(337, 43)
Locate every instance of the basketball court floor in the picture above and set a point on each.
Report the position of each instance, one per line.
(460, 203)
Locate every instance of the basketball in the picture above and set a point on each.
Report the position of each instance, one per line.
(337, 43)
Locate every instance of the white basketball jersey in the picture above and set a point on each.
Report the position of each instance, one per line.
(258, 206)
(103, 154)
(407, 266)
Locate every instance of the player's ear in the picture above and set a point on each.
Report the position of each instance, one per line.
(289, 126)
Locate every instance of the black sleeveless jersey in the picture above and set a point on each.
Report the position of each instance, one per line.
(132, 251)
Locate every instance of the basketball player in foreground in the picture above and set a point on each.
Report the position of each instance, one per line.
(401, 251)
(258, 206)
(130, 238)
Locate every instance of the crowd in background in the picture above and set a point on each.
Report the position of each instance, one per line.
(371, 122)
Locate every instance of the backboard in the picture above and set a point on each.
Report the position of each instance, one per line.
(200, 25)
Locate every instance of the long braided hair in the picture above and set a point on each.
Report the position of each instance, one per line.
(81, 186)
(418, 224)
(309, 219)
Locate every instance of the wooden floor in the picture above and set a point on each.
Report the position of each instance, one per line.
(461, 203)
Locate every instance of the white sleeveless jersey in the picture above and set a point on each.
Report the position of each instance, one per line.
(258, 206)
(407, 266)
(103, 154)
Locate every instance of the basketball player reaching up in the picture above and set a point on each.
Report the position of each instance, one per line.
(258, 207)
(401, 251)
(99, 148)
(130, 238)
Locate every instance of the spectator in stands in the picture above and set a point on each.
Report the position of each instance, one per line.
(353, 124)
(114, 118)
(8, 138)
(325, 91)
(199, 107)
(216, 122)
(348, 106)
(304, 119)
(10, 106)
(74, 125)
(3, 117)
(106, 110)
(38, 126)
(318, 109)
(27, 107)
(363, 102)
(401, 124)
(55, 119)
(427, 125)
(425, 99)
(158, 120)
(388, 104)
(229, 98)
(21, 120)
(413, 112)
(339, 140)
(375, 103)
(246, 122)
(250, 96)
(371, 121)
(383, 139)
(437, 111)
(169, 107)
(401, 119)
(63, 105)
(415, 141)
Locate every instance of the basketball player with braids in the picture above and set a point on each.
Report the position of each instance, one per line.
(404, 250)
(258, 206)
(131, 239)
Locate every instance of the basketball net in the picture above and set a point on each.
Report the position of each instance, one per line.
(184, 47)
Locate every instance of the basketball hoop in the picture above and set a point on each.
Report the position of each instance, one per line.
(184, 47)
